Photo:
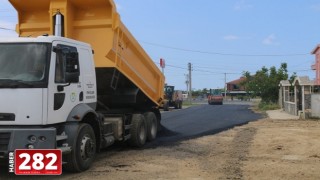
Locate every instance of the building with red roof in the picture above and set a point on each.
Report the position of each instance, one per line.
(236, 85)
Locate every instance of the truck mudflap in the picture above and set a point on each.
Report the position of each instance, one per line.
(26, 138)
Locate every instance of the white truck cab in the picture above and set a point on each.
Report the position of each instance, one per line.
(44, 82)
(42, 79)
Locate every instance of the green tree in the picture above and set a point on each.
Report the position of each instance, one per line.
(204, 91)
(292, 77)
(196, 93)
(265, 83)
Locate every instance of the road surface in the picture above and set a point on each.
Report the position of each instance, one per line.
(204, 119)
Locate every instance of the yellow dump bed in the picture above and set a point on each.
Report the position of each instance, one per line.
(95, 22)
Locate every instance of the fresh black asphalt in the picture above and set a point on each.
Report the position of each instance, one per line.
(202, 120)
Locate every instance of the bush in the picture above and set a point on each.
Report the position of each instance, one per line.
(263, 106)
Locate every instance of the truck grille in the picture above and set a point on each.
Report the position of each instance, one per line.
(4, 141)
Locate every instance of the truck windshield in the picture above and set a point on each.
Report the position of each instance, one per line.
(23, 64)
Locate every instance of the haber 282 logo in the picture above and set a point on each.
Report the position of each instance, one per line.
(37, 162)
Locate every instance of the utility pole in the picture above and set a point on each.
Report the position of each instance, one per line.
(225, 86)
(190, 80)
(187, 82)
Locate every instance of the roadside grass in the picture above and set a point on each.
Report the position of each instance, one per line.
(263, 106)
(187, 103)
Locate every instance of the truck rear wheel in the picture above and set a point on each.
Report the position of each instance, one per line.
(152, 125)
(138, 131)
(180, 105)
(166, 106)
(83, 150)
(176, 105)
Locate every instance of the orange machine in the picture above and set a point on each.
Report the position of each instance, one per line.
(215, 97)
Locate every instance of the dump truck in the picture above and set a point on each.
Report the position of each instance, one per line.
(172, 98)
(77, 80)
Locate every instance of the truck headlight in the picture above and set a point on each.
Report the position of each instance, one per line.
(30, 146)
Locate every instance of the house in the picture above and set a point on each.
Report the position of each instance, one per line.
(235, 87)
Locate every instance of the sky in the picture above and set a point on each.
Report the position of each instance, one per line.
(221, 39)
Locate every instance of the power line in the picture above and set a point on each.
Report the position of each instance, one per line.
(179, 67)
(197, 70)
(221, 73)
(211, 72)
(7, 29)
(224, 54)
(302, 70)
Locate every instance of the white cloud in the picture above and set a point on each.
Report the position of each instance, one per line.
(242, 5)
(231, 37)
(270, 40)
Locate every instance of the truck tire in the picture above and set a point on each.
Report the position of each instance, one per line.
(166, 106)
(138, 131)
(83, 150)
(152, 125)
(176, 104)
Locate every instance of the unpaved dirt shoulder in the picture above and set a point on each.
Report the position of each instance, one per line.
(284, 149)
(265, 149)
(211, 157)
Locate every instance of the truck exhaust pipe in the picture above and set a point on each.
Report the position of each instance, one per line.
(58, 24)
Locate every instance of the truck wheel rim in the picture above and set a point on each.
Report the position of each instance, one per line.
(87, 147)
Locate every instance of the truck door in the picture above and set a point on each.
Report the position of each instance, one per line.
(65, 89)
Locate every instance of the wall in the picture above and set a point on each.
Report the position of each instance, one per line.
(315, 105)
(290, 108)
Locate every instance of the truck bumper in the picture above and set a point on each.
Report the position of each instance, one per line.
(26, 138)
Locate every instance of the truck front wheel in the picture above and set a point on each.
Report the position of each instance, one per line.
(83, 150)
(138, 130)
